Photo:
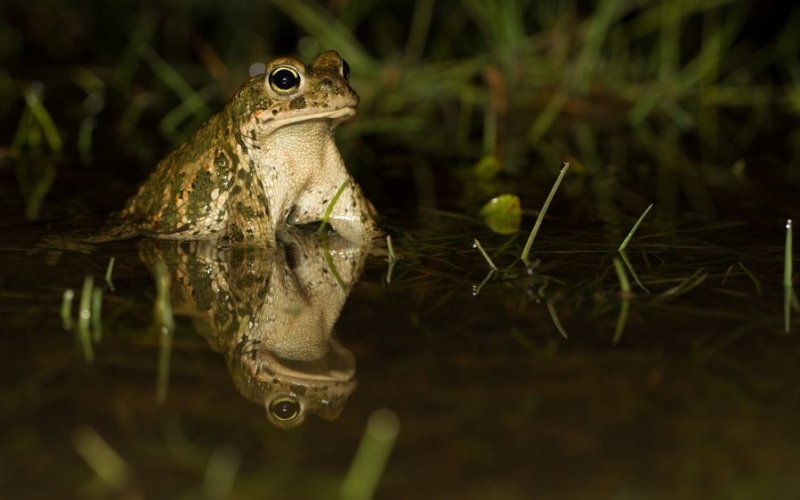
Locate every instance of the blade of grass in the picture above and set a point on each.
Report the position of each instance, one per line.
(419, 29)
(164, 322)
(221, 472)
(476, 289)
(392, 258)
(625, 288)
(319, 23)
(542, 212)
(192, 101)
(787, 277)
(93, 103)
(109, 271)
(727, 275)
(84, 318)
(390, 247)
(139, 40)
(42, 180)
(97, 306)
(331, 264)
(596, 34)
(106, 464)
(23, 132)
(546, 117)
(753, 278)
(634, 228)
(477, 244)
(33, 101)
(66, 308)
(690, 283)
(627, 262)
(329, 209)
(554, 316)
(371, 457)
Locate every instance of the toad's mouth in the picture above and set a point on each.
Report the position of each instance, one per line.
(330, 370)
(337, 115)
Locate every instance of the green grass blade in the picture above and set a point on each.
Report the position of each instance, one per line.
(527, 250)
(106, 464)
(787, 278)
(66, 308)
(84, 319)
(43, 118)
(628, 264)
(753, 278)
(476, 289)
(554, 316)
(164, 322)
(109, 271)
(373, 453)
(97, 307)
(787, 255)
(315, 19)
(329, 209)
(625, 288)
(392, 258)
(633, 229)
(477, 244)
(331, 264)
(221, 472)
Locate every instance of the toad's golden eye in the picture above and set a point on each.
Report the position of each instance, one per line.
(285, 409)
(284, 80)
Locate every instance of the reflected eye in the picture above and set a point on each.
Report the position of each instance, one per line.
(283, 80)
(345, 70)
(285, 409)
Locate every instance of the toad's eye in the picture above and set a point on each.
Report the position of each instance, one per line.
(285, 409)
(345, 70)
(284, 80)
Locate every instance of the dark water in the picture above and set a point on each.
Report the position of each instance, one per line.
(698, 399)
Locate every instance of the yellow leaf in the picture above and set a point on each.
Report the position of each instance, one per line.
(487, 168)
(502, 214)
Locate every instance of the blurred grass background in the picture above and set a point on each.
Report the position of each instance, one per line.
(668, 101)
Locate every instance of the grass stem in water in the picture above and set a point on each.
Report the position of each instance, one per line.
(625, 288)
(542, 212)
(371, 456)
(788, 291)
(633, 229)
(477, 244)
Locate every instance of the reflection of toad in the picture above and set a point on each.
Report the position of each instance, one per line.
(271, 312)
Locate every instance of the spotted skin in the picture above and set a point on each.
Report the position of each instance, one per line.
(267, 160)
(271, 313)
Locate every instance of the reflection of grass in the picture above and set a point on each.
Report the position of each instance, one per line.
(36, 147)
(89, 327)
(370, 460)
(164, 323)
(625, 293)
(218, 469)
(688, 272)
(788, 285)
(111, 471)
